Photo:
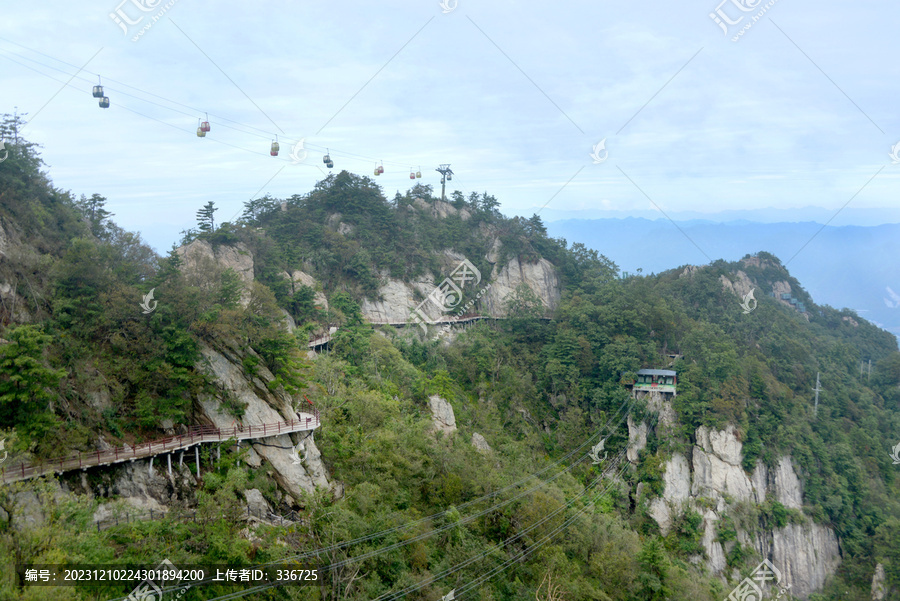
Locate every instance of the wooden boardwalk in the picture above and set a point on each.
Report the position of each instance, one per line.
(194, 436)
(321, 342)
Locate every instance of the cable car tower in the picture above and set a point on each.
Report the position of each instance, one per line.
(446, 175)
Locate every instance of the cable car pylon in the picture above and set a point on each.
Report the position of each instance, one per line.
(446, 175)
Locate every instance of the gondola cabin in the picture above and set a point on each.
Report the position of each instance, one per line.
(655, 380)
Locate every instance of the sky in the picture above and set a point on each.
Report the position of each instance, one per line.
(682, 115)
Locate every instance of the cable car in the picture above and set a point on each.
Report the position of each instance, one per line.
(419, 172)
(275, 147)
(377, 172)
(204, 126)
(329, 164)
(98, 89)
(201, 133)
(327, 158)
(380, 168)
(412, 174)
(104, 103)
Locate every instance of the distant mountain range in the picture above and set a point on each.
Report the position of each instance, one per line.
(850, 266)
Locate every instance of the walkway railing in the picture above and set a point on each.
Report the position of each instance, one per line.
(194, 436)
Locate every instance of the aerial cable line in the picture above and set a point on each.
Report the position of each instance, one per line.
(265, 134)
(465, 520)
(505, 543)
(533, 547)
(218, 140)
(480, 556)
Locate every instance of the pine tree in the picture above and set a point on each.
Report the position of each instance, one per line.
(205, 220)
(93, 210)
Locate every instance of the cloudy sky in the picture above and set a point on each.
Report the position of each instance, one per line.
(799, 112)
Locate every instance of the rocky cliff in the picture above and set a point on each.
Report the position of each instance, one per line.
(295, 474)
(710, 480)
(200, 260)
(399, 299)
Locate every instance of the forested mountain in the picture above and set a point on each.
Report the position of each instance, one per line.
(841, 265)
(444, 463)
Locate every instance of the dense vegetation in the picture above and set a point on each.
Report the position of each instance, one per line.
(535, 389)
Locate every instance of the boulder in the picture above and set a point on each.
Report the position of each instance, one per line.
(442, 417)
(256, 503)
(479, 442)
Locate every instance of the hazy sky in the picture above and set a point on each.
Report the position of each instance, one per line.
(800, 111)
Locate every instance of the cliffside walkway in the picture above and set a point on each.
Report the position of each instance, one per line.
(194, 436)
(319, 343)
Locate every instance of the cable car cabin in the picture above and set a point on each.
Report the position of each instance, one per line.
(204, 126)
(655, 380)
(98, 92)
(329, 164)
(201, 133)
(275, 148)
(104, 103)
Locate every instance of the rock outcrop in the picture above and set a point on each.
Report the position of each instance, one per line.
(300, 278)
(262, 406)
(200, 260)
(397, 300)
(440, 209)
(879, 589)
(442, 417)
(740, 286)
(637, 439)
(256, 503)
(479, 442)
(712, 481)
(541, 277)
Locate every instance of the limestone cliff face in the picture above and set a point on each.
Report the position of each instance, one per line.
(541, 277)
(224, 364)
(440, 209)
(200, 259)
(712, 481)
(399, 299)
